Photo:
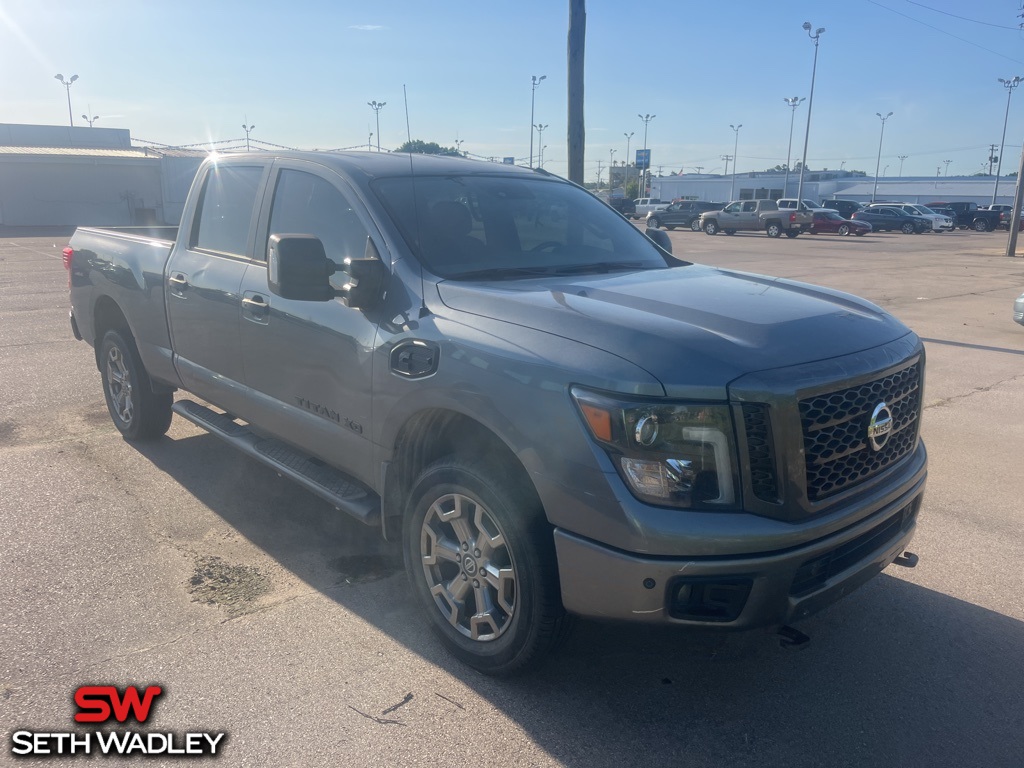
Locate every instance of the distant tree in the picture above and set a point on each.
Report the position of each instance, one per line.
(418, 146)
(632, 190)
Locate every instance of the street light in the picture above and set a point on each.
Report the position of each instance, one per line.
(533, 98)
(946, 163)
(902, 158)
(540, 160)
(626, 178)
(247, 129)
(647, 161)
(794, 102)
(540, 138)
(90, 120)
(67, 85)
(458, 145)
(810, 103)
(377, 106)
(611, 164)
(1009, 85)
(878, 162)
(735, 161)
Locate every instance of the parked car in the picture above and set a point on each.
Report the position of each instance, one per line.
(940, 222)
(969, 215)
(846, 208)
(885, 217)
(549, 411)
(1018, 309)
(755, 215)
(645, 205)
(623, 205)
(830, 222)
(1004, 220)
(685, 213)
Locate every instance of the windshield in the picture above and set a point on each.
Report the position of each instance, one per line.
(924, 210)
(504, 227)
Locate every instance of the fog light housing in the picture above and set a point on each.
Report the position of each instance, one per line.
(708, 599)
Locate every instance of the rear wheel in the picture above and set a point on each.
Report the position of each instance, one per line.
(138, 412)
(729, 231)
(791, 233)
(844, 229)
(711, 227)
(654, 222)
(773, 229)
(981, 225)
(481, 559)
(695, 225)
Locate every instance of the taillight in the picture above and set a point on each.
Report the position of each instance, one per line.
(68, 257)
(792, 218)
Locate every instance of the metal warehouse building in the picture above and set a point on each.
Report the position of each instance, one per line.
(63, 176)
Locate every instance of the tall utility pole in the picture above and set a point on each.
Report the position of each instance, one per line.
(947, 162)
(611, 165)
(576, 44)
(992, 157)
(533, 98)
(1009, 85)
(902, 158)
(878, 162)
(628, 137)
(377, 107)
(598, 174)
(67, 85)
(735, 162)
(810, 103)
(794, 102)
(727, 158)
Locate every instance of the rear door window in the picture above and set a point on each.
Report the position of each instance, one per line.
(227, 209)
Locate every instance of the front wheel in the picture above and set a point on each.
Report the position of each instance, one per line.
(774, 229)
(711, 227)
(907, 229)
(138, 412)
(695, 225)
(844, 229)
(654, 222)
(481, 559)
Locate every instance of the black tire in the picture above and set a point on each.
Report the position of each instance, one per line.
(773, 229)
(654, 222)
(729, 231)
(524, 609)
(980, 225)
(791, 233)
(137, 411)
(860, 233)
(695, 225)
(670, 227)
(711, 227)
(907, 228)
(844, 229)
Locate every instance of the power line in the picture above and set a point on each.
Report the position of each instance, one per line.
(962, 18)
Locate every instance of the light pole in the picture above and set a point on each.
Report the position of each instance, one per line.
(377, 106)
(90, 120)
(946, 163)
(902, 158)
(247, 129)
(533, 98)
(628, 137)
(540, 161)
(540, 140)
(735, 161)
(810, 103)
(794, 102)
(647, 161)
(458, 145)
(369, 142)
(878, 162)
(67, 85)
(727, 158)
(1009, 85)
(611, 165)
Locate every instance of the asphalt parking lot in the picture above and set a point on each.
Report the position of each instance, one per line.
(264, 614)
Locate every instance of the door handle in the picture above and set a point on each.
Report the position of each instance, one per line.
(255, 304)
(178, 281)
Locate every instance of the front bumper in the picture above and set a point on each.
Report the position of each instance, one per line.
(742, 592)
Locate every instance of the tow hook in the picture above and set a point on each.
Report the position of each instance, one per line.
(907, 560)
(793, 639)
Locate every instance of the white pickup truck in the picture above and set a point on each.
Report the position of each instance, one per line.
(645, 205)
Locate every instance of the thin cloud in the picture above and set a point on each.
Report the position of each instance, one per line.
(367, 27)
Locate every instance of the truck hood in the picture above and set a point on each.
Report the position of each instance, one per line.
(694, 328)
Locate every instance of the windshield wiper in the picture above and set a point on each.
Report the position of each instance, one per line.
(500, 273)
(602, 266)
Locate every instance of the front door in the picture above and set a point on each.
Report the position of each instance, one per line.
(308, 364)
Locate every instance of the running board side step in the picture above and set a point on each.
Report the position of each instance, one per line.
(328, 483)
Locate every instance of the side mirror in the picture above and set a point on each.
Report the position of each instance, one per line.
(366, 277)
(660, 238)
(298, 268)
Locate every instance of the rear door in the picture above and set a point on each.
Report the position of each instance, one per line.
(308, 364)
(203, 278)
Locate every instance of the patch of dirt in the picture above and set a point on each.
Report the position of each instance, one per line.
(235, 588)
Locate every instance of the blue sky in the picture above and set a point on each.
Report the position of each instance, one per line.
(303, 72)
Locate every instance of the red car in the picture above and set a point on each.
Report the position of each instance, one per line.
(830, 222)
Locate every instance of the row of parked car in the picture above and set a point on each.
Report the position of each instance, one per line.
(846, 217)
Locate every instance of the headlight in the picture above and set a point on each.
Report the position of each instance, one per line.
(676, 454)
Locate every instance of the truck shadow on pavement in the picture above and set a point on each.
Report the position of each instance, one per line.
(895, 674)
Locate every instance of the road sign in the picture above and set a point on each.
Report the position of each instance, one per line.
(508, 160)
(643, 159)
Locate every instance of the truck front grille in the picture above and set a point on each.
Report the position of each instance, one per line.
(835, 430)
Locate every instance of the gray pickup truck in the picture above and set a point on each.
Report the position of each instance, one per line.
(550, 412)
(756, 216)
